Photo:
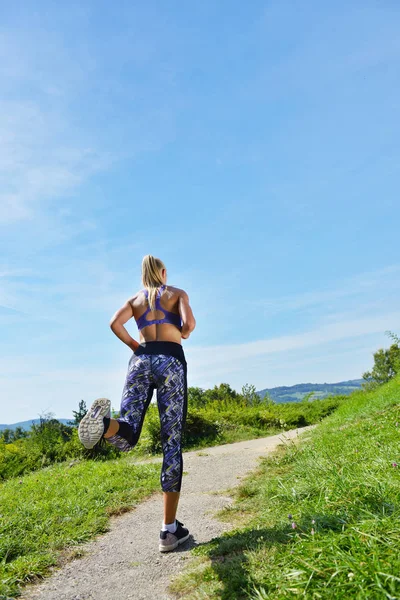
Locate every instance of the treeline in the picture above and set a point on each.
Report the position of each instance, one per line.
(215, 416)
(12, 435)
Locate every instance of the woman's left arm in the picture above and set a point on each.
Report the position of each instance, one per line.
(117, 325)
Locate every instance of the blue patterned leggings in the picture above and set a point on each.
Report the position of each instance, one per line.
(160, 366)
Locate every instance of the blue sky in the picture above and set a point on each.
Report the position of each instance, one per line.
(253, 147)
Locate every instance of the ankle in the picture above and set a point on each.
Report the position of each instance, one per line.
(111, 427)
(106, 422)
(171, 527)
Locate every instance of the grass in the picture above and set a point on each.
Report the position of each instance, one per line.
(49, 512)
(319, 520)
(59, 507)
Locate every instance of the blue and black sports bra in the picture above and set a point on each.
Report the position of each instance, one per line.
(169, 317)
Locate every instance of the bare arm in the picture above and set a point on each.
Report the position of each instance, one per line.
(123, 315)
(188, 320)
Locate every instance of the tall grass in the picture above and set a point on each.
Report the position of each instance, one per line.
(318, 521)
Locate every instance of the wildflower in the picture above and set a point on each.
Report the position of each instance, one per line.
(294, 525)
(312, 531)
(290, 517)
(313, 522)
(394, 464)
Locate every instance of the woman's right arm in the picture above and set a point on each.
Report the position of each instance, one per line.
(188, 320)
(117, 325)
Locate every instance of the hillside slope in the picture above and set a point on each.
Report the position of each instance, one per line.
(317, 521)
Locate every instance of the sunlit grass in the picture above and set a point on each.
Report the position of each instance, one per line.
(59, 507)
(320, 520)
(53, 509)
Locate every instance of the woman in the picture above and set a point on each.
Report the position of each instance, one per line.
(163, 316)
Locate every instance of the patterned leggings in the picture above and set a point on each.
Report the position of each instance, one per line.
(160, 366)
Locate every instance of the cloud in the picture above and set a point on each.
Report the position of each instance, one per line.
(43, 155)
(38, 164)
(238, 358)
(354, 287)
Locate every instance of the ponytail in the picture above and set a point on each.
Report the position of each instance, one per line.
(151, 276)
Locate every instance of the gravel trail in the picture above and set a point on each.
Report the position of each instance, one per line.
(126, 563)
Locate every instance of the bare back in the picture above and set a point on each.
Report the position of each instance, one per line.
(173, 300)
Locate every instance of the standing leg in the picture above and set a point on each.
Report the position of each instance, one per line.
(171, 500)
(170, 376)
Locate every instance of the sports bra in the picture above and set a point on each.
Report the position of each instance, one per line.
(170, 317)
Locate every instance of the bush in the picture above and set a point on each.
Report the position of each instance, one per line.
(48, 442)
(197, 429)
(219, 415)
(301, 414)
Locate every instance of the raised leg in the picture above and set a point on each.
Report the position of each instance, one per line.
(124, 432)
(112, 428)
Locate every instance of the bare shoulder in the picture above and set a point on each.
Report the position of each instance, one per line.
(137, 298)
(178, 291)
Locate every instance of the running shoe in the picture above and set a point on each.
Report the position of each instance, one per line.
(91, 428)
(169, 541)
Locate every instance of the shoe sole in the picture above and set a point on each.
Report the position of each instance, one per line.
(91, 428)
(173, 546)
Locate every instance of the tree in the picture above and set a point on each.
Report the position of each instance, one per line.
(268, 400)
(12, 435)
(220, 393)
(19, 433)
(250, 395)
(7, 435)
(196, 397)
(49, 435)
(394, 337)
(78, 414)
(386, 364)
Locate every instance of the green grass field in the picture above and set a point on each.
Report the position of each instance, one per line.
(344, 480)
(59, 507)
(49, 511)
(321, 520)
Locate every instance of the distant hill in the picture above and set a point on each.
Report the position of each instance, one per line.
(296, 393)
(28, 424)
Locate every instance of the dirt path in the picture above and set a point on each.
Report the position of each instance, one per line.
(126, 563)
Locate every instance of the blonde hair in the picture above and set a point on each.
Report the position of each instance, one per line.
(151, 276)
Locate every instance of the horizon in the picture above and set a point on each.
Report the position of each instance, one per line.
(153, 400)
(255, 150)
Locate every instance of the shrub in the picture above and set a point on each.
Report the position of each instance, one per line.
(197, 428)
